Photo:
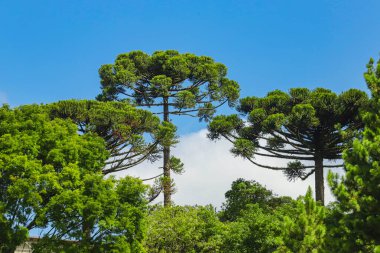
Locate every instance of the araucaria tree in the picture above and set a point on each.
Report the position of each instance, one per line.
(302, 126)
(177, 84)
(358, 193)
(121, 125)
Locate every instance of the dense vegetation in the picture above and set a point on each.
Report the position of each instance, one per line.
(56, 162)
(51, 179)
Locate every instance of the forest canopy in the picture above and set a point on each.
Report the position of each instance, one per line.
(58, 160)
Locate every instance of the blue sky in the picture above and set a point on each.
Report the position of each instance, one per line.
(51, 50)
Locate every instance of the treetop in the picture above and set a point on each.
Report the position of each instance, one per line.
(190, 83)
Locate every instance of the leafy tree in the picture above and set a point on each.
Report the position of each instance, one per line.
(178, 84)
(244, 192)
(34, 150)
(51, 179)
(255, 230)
(358, 193)
(300, 126)
(252, 216)
(304, 231)
(93, 214)
(184, 229)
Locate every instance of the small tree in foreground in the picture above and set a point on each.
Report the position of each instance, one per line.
(94, 214)
(304, 231)
(256, 230)
(35, 152)
(299, 126)
(178, 229)
(51, 179)
(358, 193)
(177, 84)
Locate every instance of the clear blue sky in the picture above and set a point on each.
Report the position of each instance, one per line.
(51, 50)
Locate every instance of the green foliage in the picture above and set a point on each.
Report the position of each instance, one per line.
(166, 134)
(358, 192)
(99, 215)
(176, 165)
(34, 150)
(51, 179)
(302, 125)
(255, 231)
(189, 81)
(304, 231)
(252, 216)
(252, 223)
(184, 229)
(123, 127)
(243, 193)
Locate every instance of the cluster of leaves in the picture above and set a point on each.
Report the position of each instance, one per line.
(184, 229)
(51, 179)
(263, 222)
(305, 230)
(244, 192)
(105, 215)
(255, 230)
(357, 220)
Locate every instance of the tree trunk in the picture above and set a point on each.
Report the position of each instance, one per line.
(166, 166)
(86, 231)
(319, 180)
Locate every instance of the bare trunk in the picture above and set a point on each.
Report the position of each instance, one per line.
(319, 180)
(166, 165)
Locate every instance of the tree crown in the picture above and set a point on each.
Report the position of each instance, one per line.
(191, 84)
(298, 125)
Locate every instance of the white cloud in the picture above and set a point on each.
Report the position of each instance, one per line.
(210, 169)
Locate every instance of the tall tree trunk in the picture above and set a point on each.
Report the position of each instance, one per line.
(167, 179)
(319, 180)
